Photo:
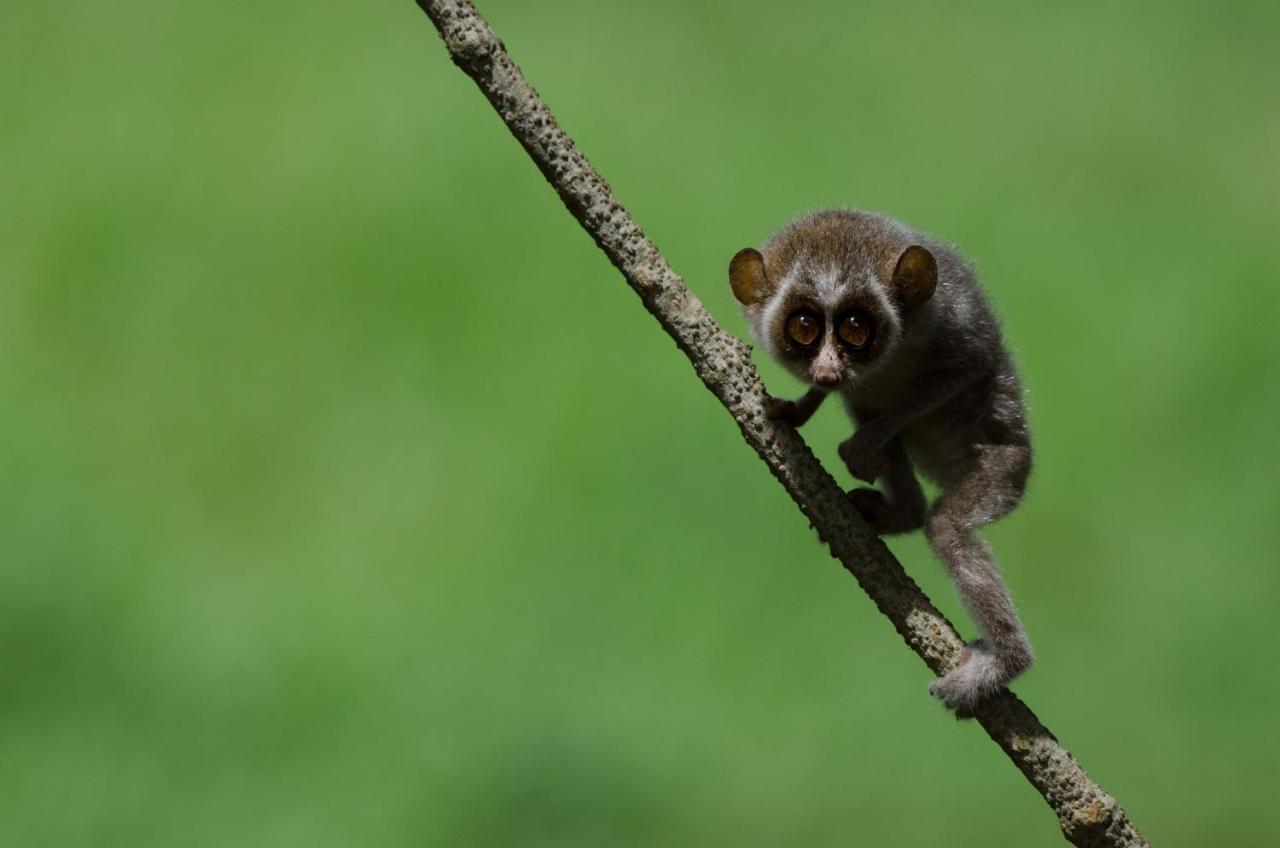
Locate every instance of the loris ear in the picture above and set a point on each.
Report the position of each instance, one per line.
(915, 277)
(747, 277)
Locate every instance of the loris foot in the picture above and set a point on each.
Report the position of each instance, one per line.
(980, 674)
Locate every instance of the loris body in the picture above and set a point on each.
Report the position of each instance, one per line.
(859, 304)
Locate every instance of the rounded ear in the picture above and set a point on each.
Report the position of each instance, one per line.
(747, 277)
(915, 277)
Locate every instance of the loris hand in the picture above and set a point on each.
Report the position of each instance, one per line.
(777, 409)
(865, 460)
(874, 508)
(795, 412)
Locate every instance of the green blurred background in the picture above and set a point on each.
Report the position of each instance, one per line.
(350, 498)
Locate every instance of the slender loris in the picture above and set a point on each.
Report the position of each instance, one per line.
(857, 303)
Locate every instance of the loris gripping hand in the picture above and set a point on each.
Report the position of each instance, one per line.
(794, 412)
(858, 304)
(864, 456)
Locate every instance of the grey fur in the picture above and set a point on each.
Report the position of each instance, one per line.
(936, 390)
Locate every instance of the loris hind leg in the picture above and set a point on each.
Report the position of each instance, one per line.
(900, 508)
(991, 486)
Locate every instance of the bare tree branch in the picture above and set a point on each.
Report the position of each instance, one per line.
(1087, 814)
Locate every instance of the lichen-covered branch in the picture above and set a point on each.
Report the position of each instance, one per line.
(1087, 814)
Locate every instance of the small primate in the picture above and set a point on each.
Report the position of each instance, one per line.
(857, 303)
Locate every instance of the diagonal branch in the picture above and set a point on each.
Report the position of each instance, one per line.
(1087, 814)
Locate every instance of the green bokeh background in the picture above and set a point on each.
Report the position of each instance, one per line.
(350, 498)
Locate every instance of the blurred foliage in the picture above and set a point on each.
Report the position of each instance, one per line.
(351, 498)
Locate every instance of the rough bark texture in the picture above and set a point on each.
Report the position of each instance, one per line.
(1087, 814)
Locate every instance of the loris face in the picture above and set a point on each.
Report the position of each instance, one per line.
(831, 312)
(825, 328)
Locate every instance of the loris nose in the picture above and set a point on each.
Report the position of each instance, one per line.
(827, 368)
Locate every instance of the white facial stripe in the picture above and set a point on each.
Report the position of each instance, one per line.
(886, 305)
(826, 283)
(881, 295)
(828, 356)
(773, 306)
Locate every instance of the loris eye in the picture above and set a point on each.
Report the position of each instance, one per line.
(856, 330)
(803, 328)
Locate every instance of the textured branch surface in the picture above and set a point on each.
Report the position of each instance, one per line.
(1087, 814)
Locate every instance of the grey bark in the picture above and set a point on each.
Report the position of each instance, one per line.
(1087, 814)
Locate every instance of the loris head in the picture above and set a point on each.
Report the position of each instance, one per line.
(829, 295)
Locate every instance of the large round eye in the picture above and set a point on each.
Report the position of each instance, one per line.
(857, 330)
(803, 328)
